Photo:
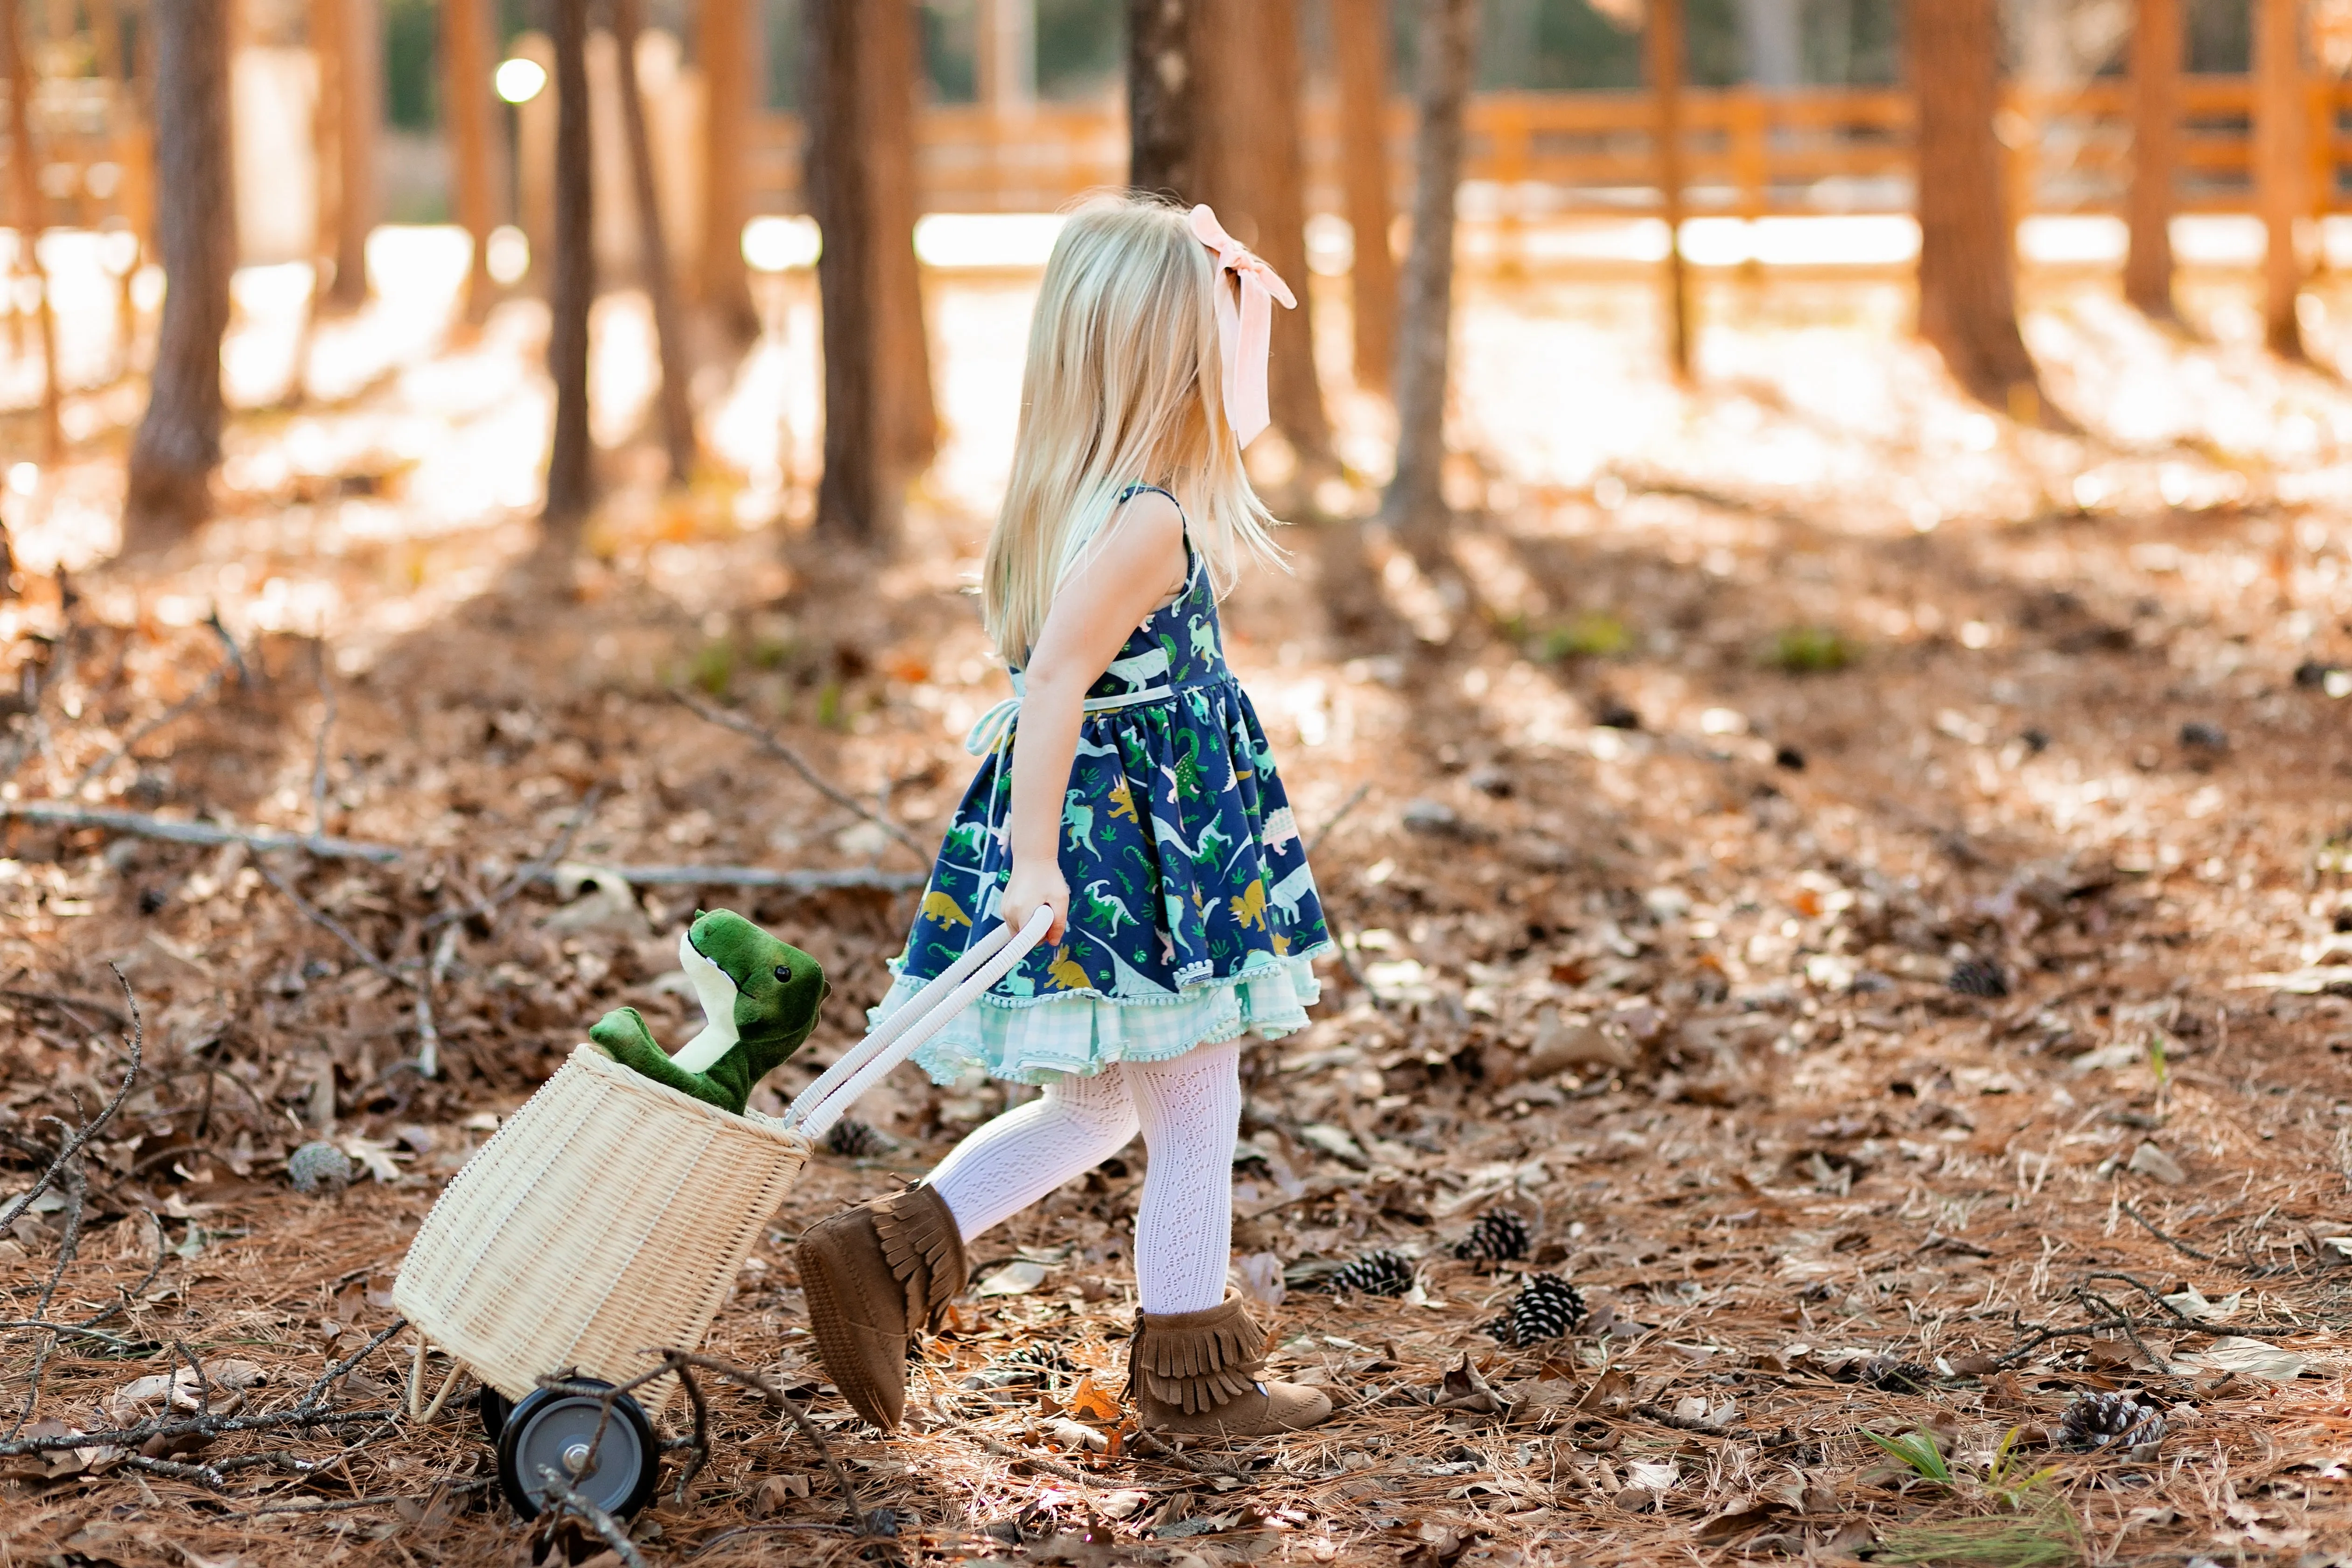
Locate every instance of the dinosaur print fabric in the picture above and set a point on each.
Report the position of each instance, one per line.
(1192, 912)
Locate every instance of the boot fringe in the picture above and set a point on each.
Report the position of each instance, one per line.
(923, 1248)
(1196, 1361)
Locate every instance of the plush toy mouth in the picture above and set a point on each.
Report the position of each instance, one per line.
(716, 990)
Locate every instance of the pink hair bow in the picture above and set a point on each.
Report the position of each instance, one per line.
(1245, 327)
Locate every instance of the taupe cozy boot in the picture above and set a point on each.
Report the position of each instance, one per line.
(1196, 1375)
(875, 1274)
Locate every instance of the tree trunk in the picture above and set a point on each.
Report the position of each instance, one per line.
(1359, 41)
(1249, 165)
(1665, 48)
(15, 38)
(1008, 53)
(1416, 498)
(2156, 51)
(474, 138)
(325, 23)
(1163, 98)
(1967, 302)
(676, 413)
(727, 49)
(2281, 165)
(1772, 34)
(359, 118)
(178, 441)
(572, 285)
(858, 106)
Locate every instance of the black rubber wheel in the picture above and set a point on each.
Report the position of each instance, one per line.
(551, 1429)
(495, 1408)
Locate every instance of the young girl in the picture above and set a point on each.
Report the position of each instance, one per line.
(1128, 788)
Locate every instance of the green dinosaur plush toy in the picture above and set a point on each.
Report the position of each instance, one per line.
(760, 1000)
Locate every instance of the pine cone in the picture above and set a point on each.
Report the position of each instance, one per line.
(1897, 1375)
(2110, 1421)
(319, 1167)
(853, 1140)
(1381, 1273)
(1038, 1363)
(1547, 1308)
(1978, 977)
(1500, 1237)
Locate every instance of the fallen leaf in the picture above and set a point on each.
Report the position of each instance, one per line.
(1258, 1277)
(1089, 1400)
(2153, 1163)
(2247, 1357)
(1016, 1279)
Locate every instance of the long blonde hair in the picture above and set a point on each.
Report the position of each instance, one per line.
(1123, 385)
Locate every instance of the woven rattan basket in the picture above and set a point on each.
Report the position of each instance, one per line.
(608, 1216)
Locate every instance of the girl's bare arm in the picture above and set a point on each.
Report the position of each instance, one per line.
(1129, 572)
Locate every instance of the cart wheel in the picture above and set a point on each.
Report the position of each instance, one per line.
(495, 1408)
(553, 1427)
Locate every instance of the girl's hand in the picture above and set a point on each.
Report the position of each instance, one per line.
(1033, 884)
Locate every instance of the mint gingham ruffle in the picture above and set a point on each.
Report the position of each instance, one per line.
(1036, 1038)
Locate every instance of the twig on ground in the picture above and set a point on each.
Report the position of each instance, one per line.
(562, 1493)
(326, 1379)
(760, 876)
(73, 1331)
(792, 759)
(1164, 1454)
(228, 646)
(677, 1360)
(329, 923)
(177, 711)
(2181, 1319)
(67, 1005)
(1039, 1463)
(428, 1028)
(173, 830)
(534, 870)
(88, 1130)
(699, 1444)
(1355, 798)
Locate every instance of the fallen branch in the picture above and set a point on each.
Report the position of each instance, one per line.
(428, 1028)
(760, 876)
(776, 748)
(88, 1130)
(569, 1500)
(1023, 1456)
(328, 923)
(677, 1360)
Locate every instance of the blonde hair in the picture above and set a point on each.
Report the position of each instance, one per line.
(1123, 386)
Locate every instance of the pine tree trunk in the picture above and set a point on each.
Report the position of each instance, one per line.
(16, 39)
(1163, 98)
(359, 118)
(1967, 302)
(1359, 41)
(858, 106)
(1664, 48)
(572, 285)
(2155, 51)
(2281, 165)
(178, 441)
(474, 138)
(727, 49)
(1447, 44)
(324, 22)
(673, 408)
(1249, 165)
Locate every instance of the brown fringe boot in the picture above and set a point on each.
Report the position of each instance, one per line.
(1196, 1373)
(874, 1274)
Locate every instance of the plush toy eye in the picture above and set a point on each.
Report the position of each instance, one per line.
(784, 971)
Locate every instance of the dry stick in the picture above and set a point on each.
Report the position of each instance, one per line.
(75, 1331)
(564, 1494)
(177, 711)
(73, 1145)
(2197, 1325)
(1022, 1455)
(326, 922)
(428, 1029)
(66, 1004)
(776, 748)
(228, 646)
(698, 1445)
(1355, 798)
(675, 1358)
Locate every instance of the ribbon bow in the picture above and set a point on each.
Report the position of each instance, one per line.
(1244, 327)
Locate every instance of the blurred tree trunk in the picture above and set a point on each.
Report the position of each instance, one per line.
(726, 49)
(359, 120)
(1359, 41)
(468, 101)
(1771, 32)
(1163, 98)
(858, 104)
(2281, 165)
(325, 23)
(573, 287)
(16, 39)
(1968, 302)
(1447, 47)
(2156, 49)
(674, 409)
(1665, 48)
(1250, 167)
(178, 441)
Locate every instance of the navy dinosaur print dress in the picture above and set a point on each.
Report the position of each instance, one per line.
(1194, 916)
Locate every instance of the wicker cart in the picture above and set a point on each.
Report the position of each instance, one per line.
(609, 1216)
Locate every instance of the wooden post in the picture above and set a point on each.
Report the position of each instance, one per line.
(727, 50)
(1967, 299)
(1163, 98)
(1416, 498)
(470, 104)
(572, 286)
(652, 250)
(30, 220)
(2282, 157)
(1664, 51)
(2155, 57)
(1359, 42)
(179, 440)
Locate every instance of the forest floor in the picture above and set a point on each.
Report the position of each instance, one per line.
(1863, 878)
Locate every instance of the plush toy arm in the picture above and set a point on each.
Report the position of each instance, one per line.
(621, 1035)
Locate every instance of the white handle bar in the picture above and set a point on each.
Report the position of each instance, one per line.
(989, 959)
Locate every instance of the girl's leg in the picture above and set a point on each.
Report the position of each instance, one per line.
(1013, 1160)
(1191, 1110)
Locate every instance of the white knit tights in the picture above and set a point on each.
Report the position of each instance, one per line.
(1190, 1110)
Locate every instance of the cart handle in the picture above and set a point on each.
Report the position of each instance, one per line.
(987, 960)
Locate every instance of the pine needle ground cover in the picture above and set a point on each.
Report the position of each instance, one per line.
(1688, 1010)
